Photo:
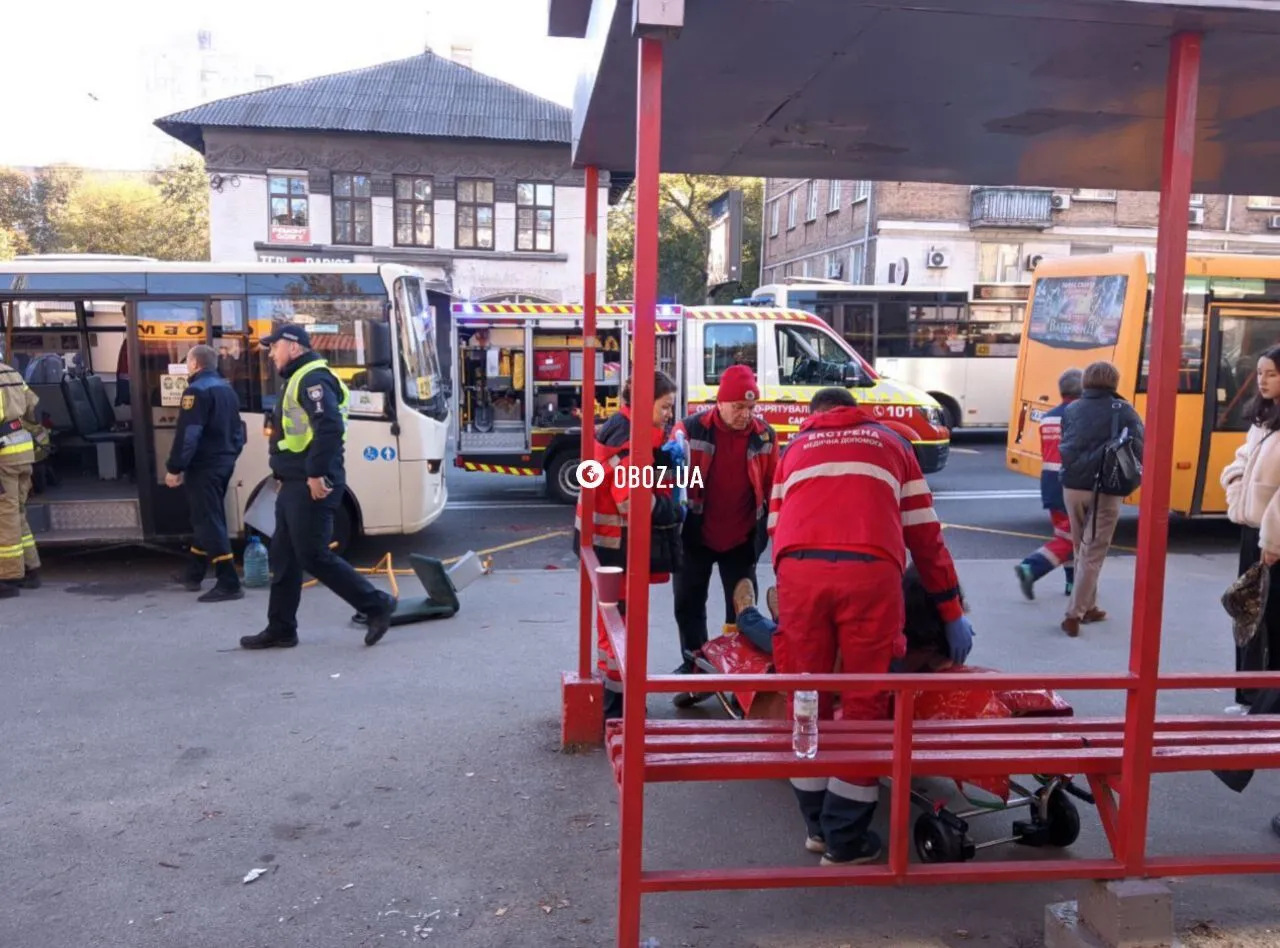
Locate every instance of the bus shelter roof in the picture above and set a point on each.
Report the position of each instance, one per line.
(1052, 93)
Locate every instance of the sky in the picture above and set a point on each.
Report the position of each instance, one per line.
(79, 93)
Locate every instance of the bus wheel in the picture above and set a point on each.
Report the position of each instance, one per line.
(950, 409)
(562, 478)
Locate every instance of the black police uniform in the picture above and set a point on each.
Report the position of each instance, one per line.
(206, 444)
(304, 527)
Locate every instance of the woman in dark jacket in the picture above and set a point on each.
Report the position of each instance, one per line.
(1088, 424)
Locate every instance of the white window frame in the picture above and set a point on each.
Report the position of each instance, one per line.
(861, 191)
(1263, 202)
(833, 196)
(792, 198)
(1101, 195)
(1197, 200)
(811, 203)
(774, 214)
(857, 264)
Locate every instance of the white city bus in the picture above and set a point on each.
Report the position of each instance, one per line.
(103, 342)
(959, 344)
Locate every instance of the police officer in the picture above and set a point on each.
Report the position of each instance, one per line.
(308, 432)
(209, 438)
(19, 562)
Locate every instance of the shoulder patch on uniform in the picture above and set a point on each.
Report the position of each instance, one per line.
(188, 402)
(316, 393)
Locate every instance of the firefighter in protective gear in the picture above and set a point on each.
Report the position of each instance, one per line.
(612, 504)
(308, 435)
(1059, 551)
(19, 562)
(848, 503)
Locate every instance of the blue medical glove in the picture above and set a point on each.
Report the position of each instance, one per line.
(675, 452)
(959, 639)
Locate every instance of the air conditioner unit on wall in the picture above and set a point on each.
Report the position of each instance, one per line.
(1033, 260)
(1195, 216)
(1060, 202)
(937, 258)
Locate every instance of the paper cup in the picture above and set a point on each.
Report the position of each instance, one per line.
(609, 585)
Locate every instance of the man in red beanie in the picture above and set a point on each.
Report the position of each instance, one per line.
(735, 454)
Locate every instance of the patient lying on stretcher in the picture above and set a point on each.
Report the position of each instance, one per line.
(927, 649)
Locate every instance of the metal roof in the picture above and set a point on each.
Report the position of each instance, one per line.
(424, 95)
(1054, 93)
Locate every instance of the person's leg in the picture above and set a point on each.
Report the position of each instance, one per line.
(870, 614)
(757, 628)
(1097, 547)
(736, 565)
(607, 664)
(690, 586)
(1065, 547)
(1054, 553)
(11, 558)
(806, 642)
(193, 572)
(1252, 656)
(1079, 507)
(286, 571)
(30, 556)
(332, 570)
(218, 543)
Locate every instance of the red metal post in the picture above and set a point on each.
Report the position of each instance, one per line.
(590, 256)
(1157, 461)
(648, 147)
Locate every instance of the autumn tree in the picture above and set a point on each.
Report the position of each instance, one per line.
(29, 205)
(8, 243)
(684, 238)
(184, 189)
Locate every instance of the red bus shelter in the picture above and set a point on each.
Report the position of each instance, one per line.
(1124, 94)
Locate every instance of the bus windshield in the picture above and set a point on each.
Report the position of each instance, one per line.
(422, 384)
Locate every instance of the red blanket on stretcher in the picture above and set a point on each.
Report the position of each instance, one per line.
(735, 655)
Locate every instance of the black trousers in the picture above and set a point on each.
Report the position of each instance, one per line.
(304, 529)
(206, 499)
(1263, 653)
(693, 583)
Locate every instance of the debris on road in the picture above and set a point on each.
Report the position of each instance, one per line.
(349, 885)
(254, 874)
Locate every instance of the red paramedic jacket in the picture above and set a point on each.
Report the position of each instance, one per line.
(846, 483)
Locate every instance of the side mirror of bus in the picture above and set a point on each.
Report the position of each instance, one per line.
(380, 380)
(377, 345)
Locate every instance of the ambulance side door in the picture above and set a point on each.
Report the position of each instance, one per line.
(720, 344)
(805, 357)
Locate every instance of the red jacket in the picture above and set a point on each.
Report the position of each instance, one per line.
(846, 483)
(762, 464)
(613, 500)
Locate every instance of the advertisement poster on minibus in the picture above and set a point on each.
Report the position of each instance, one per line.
(1078, 312)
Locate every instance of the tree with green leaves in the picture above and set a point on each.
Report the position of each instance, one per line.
(684, 238)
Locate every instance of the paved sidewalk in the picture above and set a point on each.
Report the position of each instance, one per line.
(149, 765)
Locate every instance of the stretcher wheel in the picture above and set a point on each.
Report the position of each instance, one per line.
(938, 841)
(1064, 820)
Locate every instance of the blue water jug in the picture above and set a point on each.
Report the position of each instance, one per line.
(256, 571)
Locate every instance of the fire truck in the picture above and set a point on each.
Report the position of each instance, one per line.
(518, 379)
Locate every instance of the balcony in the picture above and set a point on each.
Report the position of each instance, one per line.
(1011, 207)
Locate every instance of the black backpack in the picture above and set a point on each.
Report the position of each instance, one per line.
(1120, 469)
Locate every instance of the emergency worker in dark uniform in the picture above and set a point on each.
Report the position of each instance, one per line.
(307, 441)
(206, 444)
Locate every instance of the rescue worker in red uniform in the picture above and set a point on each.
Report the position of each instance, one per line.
(848, 503)
(736, 455)
(612, 504)
(1058, 551)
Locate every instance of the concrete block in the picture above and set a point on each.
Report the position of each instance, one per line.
(581, 712)
(1130, 913)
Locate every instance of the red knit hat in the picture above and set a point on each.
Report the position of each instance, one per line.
(738, 384)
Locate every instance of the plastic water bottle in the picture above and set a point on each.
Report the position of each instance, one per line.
(256, 572)
(804, 729)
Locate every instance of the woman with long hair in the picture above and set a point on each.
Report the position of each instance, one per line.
(1252, 480)
(612, 504)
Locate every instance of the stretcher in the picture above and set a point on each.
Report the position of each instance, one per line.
(941, 831)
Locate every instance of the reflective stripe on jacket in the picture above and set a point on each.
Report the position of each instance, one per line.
(16, 403)
(762, 464)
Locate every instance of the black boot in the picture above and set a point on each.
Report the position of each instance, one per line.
(31, 580)
(9, 590)
(379, 622)
(269, 638)
(612, 704)
(227, 586)
(811, 802)
(192, 575)
(846, 826)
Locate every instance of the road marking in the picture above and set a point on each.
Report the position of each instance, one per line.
(1015, 533)
(955, 450)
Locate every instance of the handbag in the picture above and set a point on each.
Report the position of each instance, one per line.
(1120, 467)
(1246, 601)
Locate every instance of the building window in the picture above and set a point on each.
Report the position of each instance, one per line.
(857, 263)
(415, 218)
(1263, 202)
(352, 209)
(774, 214)
(290, 216)
(791, 209)
(833, 196)
(804, 272)
(811, 202)
(475, 214)
(835, 266)
(999, 263)
(861, 191)
(535, 214)
(1197, 200)
(1093, 194)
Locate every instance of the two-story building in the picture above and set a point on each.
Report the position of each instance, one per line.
(422, 161)
(943, 235)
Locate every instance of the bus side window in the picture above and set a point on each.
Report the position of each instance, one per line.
(726, 344)
(892, 337)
